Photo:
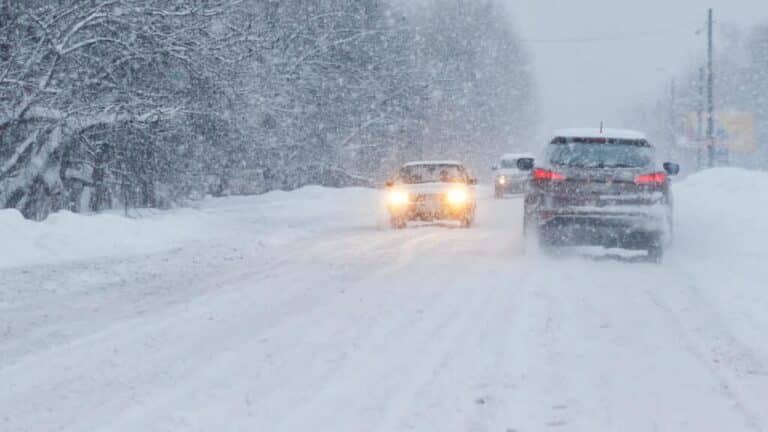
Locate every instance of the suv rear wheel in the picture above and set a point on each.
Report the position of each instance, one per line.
(655, 248)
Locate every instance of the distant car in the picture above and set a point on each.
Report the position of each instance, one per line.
(431, 191)
(603, 188)
(508, 178)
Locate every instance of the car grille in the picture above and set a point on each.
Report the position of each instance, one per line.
(428, 198)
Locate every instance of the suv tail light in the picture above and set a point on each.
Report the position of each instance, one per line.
(657, 178)
(543, 174)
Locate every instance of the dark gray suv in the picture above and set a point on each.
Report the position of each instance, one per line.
(602, 188)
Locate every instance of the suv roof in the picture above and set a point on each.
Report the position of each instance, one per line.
(598, 133)
(512, 156)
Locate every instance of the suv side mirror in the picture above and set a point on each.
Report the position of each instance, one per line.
(389, 183)
(525, 164)
(472, 181)
(671, 168)
(494, 168)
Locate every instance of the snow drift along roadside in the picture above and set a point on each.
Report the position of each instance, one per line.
(724, 212)
(720, 247)
(269, 219)
(66, 236)
(279, 217)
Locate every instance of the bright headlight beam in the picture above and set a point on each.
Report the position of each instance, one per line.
(457, 196)
(398, 197)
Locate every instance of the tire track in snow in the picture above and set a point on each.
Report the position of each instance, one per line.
(196, 377)
(704, 333)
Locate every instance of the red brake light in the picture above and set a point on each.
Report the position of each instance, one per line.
(543, 174)
(657, 178)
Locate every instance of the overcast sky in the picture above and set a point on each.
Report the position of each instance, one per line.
(580, 84)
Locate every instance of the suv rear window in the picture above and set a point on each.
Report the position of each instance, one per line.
(600, 153)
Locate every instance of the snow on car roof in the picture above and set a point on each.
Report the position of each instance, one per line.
(509, 156)
(432, 162)
(597, 133)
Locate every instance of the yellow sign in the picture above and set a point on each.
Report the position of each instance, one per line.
(734, 130)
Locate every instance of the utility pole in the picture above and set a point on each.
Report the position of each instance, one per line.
(700, 119)
(672, 113)
(672, 126)
(710, 96)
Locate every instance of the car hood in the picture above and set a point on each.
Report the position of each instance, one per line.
(511, 172)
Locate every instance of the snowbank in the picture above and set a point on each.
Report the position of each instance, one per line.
(269, 219)
(721, 247)
(66, 236)
(704, 202)
(724, 210)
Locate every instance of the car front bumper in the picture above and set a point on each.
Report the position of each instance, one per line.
(511, 185)
(429, 211)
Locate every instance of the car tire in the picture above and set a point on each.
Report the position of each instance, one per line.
(546, 246)
(397, 222)
(498, 193)
(528, 223)
(655, 249)
(670, 230)
(467, 220)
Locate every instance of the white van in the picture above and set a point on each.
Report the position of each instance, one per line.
(508, 179)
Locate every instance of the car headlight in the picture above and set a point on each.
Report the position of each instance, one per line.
(502, 180)
(458, 196)
(398, 197)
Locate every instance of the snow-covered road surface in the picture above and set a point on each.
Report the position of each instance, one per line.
(301, 312)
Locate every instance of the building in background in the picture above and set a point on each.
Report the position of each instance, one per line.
(735, 139)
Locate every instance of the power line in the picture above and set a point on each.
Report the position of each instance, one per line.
(612, 38)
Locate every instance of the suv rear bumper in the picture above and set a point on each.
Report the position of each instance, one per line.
(608, 229)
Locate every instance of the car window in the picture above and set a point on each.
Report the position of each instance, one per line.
(509, 163)
(431, 173)
(600, 155)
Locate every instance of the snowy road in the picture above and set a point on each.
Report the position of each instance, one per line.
(299, 311)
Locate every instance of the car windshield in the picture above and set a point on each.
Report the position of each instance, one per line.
(629, 154)
(431, 173)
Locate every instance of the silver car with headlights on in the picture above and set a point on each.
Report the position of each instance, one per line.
(508, 178)
(431, 191)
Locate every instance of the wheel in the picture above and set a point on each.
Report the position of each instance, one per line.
(468, 219)
(543, 244)
(670, 229)
(655, 248)
(397, 222)
(528, 223)
(498, 193)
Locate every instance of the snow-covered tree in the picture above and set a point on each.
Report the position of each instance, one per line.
(89, 91)
(480, 83)
(107, 103)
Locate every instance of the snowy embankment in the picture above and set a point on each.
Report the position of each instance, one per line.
(272, 218)
(721, 212)
(722, 247)
(301, 311)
